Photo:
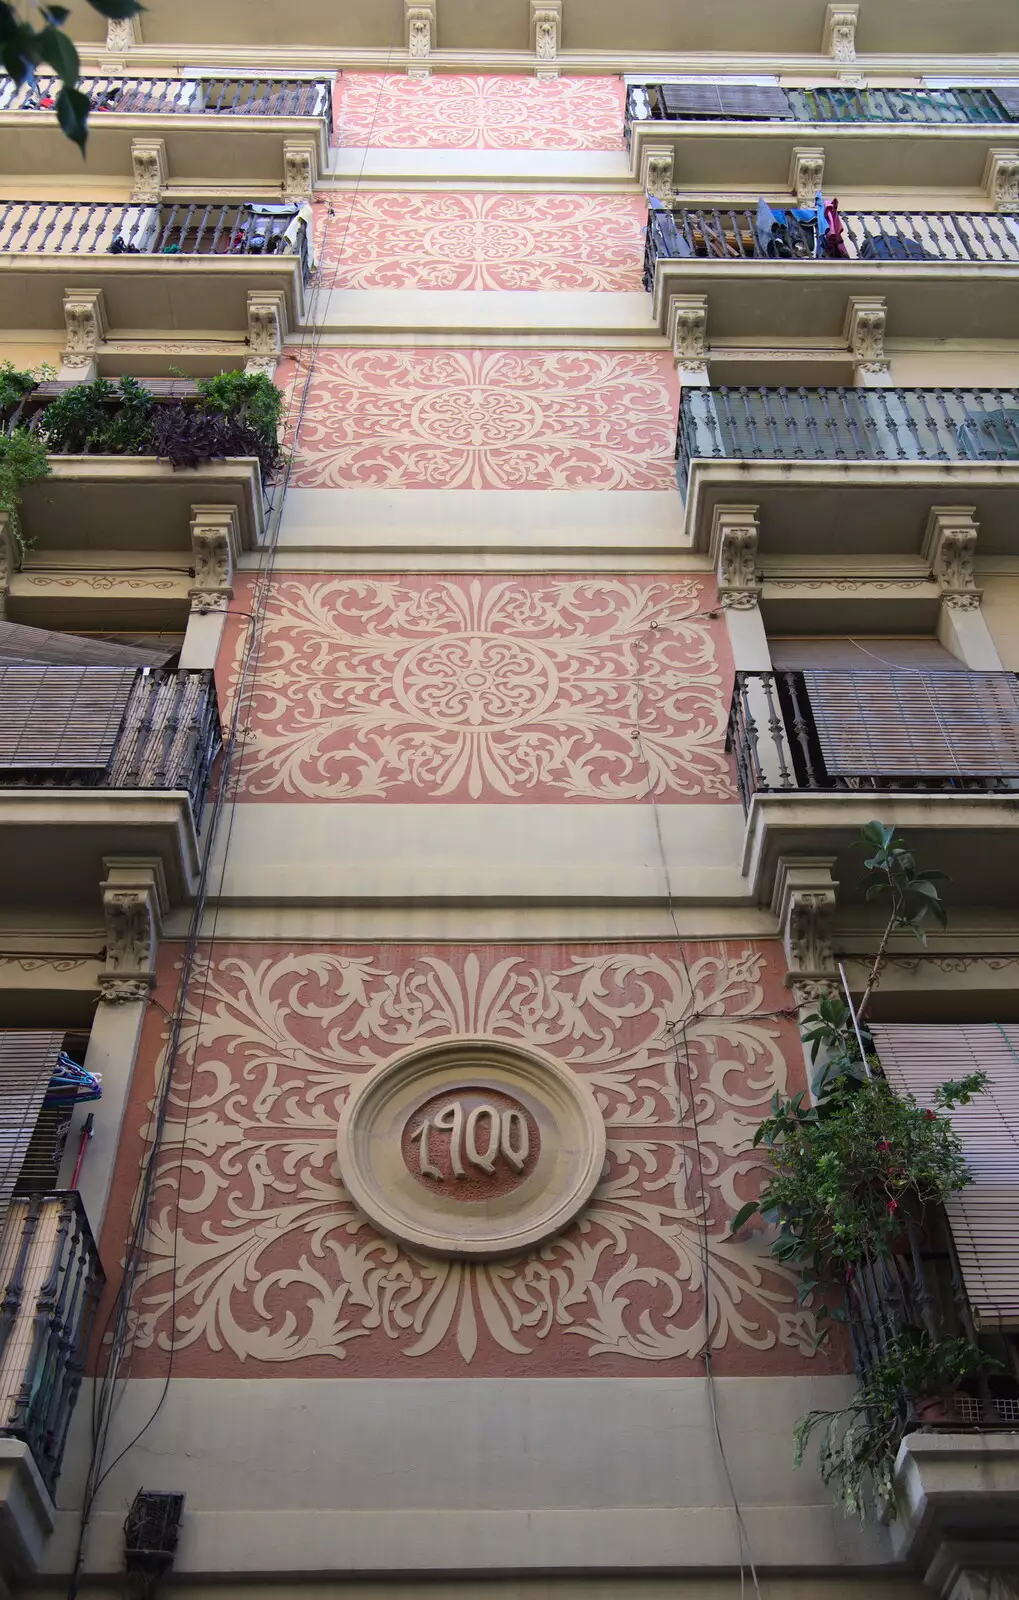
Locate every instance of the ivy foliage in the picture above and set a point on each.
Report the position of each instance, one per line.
(24, 48)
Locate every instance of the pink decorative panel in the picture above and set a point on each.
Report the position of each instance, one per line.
(492, 689)
(488, 419)
(439, 240)
(465, 113)
(258, 1264)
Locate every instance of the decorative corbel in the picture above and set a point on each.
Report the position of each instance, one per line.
(804, 903)
(420, 22)
(148, 162)
(687, 332)
(806, 175)
(215, 539)
(864, 334)
(87, 328)
(735, 533)
(1001, 179)
(300, 168)
(123, 33)
(267, 327)
(657, 168)
(546, 28)
(134, 899)
(949, 546)
(839, 40)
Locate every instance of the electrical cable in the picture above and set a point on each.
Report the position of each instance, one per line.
(104, 1393)
(745, 1543)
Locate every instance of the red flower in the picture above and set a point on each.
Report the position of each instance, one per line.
(893, 1205)
(931, 1116)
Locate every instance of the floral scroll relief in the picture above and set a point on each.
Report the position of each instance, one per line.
(273, 1264)
(463, 112)
(487, 419)
(374, 689)
(397, 240)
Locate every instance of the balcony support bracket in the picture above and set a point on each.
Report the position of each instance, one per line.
(547, 27)
(864, 333)
(806, 174)
(267, 328)
(300, 168)
(87, 329)
(1001, 179)
(657, 167)
(420, 23)
(150, 171)
(687, 333)
(134, 901)
(735, 534)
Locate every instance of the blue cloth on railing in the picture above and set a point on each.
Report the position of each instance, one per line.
(69, 1083)
(673, 242)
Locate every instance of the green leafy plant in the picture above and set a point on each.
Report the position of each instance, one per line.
(251, 399)
(858, 1444)
(14, 386)
(22, 461)
(24, 47)
(850, 1181)
(100, 418)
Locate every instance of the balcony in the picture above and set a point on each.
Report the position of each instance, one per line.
(215, 131)
(941, 274)
(51, 1281)
(183, 268)
(731, 136)
(819, 753)
(850, 471)
(100, 761)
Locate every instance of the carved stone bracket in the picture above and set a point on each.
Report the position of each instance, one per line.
(134, 900)
(300, 168)
(215, 536)
(267, 328)
(839, 40)
(1001, 179)
(735, 532)
(123, 33)
(546, 28)
(949, 546)
(806, 175)
(87, 328)
(687, 332)
(803, 902)
(420, 22)
(865, 334)
(148, 164)
(657, 166)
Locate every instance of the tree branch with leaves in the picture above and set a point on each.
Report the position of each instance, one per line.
(26, 46)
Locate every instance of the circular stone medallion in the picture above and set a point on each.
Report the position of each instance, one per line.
(471, 1147)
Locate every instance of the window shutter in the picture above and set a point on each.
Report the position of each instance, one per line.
(22, 646)
(916, 723)
(26, 1064)
(984, 1217)
(723, 100)
(1009, 99)
(61, 717)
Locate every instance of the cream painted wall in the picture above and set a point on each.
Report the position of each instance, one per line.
(26, 354)
(430, 1476)
(1001, 613)
(950, 368)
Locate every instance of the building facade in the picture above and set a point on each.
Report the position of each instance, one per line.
(424, 844)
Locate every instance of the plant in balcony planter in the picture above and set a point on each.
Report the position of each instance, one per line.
(188, 436)
(101, 418)
(14, 386)
(850, 1180)
(22, 461)
(248, 397)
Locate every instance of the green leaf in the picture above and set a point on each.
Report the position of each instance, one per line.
(57, 50)
(72, 113)
(116, 10)
(925, 887)
(56, 16)
(742, 1216)
(16, 59)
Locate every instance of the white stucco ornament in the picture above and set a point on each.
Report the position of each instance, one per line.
(471, 1147)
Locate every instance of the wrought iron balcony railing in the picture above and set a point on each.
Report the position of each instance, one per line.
(963, 425)
(244, 97)
(717, 233)
(890, 728)
(50, 1283)
(108, 728)
(725, 102)
(239, 229)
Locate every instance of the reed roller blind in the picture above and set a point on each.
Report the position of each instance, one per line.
(1010, 100)
(61, 717)
(27, 1060)
(984, 1217)
(923, 723)
(724, 100)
